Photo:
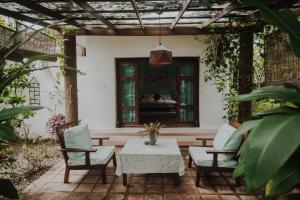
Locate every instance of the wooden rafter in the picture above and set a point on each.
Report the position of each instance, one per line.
(185, 5)
(145, 18)
(21, 17)
(156, 24)
(155, 31)
(136, 10)
(89, 9)
(79, 11)
(46, 11)
(228, 8)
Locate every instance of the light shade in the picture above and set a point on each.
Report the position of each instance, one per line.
(160, 56)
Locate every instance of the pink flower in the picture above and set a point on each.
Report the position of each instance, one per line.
(54, 121)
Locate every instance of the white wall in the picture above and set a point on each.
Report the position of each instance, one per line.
(46, 78)
(97, 89)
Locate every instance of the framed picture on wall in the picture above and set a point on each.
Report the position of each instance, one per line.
(156, 79)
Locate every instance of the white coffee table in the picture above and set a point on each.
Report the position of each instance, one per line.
(138, 158)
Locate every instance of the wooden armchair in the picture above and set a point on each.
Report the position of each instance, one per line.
(93, 157)
(218, 157)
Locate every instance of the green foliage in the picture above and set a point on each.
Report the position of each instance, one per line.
(6, 131)
(231, 106)
(12, 95)
(56, 96)
(35, 158)
(7, 189)
(270, 155)
(280, 93)
(8, 162)
(284, 19)
(23, 163)
(9, 77)
(222, 59)
(259, 106)
(258, 57)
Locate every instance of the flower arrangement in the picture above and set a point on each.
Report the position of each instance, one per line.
(152, 131)
(54, 121)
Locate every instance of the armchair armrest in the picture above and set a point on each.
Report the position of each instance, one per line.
(78, 150)
(213, 151)
(100, 139)
(86, 151)
(216, 153)
(204, 141)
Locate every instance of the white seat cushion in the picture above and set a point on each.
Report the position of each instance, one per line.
(223, 134)
(100, 157)
(201, 158)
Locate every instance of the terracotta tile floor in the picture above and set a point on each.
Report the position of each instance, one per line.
(87, 185)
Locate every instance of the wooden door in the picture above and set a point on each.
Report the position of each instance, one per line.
(127, 93)
(188, 92)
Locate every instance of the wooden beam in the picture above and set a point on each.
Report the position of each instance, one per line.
(157, 24)
(145, 18)
(245, 73)
(185, 5)
(230, 7)
(89, 9)
(25, 18)
(153, 31)
(79, 11)
(70, 75)
(46, 11)
(136, 10)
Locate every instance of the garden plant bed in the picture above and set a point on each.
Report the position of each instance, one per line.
(27, 162)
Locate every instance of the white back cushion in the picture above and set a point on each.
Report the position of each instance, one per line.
(77, 137)
(223, 134)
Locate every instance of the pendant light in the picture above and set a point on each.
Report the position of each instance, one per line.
(160, 55)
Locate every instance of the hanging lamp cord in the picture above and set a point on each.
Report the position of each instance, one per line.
(159, 29)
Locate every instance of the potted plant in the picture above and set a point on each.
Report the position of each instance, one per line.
(152, 131)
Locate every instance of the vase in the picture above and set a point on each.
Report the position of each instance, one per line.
(153, 139)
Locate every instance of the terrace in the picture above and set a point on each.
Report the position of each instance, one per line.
(214, 49)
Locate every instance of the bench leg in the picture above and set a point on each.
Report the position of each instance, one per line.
(103, 175)
(176, 179)
(198, 176)
(124, 179)
(190, 161)
(238, 181)
(67, 173)
(114, 160)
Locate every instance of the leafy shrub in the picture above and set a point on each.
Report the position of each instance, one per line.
(56, 120)
(35, 158)
(8, 162)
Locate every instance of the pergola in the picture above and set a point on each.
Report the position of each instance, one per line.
(141, 18)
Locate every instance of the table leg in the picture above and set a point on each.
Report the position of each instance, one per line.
(124, 179)
(176, 179)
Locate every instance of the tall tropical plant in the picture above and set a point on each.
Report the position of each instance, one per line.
(6, 133)
(270, 155)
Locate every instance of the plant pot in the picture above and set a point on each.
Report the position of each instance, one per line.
(152, 139)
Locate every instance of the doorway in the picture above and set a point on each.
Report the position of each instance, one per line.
(168, 94)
